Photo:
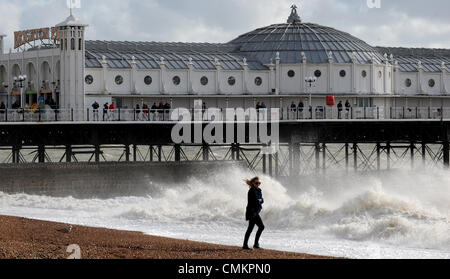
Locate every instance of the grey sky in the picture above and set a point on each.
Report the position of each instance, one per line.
(409, 23)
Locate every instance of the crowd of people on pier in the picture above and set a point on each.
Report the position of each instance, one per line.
(156, 112)
(161, 111)
(299, 110)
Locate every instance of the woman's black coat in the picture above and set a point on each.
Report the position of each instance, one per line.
(255, 201)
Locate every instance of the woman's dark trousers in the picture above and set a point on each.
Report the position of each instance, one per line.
(258, 222)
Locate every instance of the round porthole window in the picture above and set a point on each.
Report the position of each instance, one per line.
(291, 74)
(176, 80)
(119, 80)
(364, 74)
(342, 73)
(204, 81)
(258, 81)
(148, 80)
(317, 73)
(408, 82)
(231, 81)
(431, 83)
(89, 79)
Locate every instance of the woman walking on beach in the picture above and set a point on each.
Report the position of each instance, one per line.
(254, 207)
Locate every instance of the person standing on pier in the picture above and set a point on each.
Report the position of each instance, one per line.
(105, 111)
(138, 112)
(348, 106)
(254, 207)
(340, 109)
(300, 108)
(145, 111)
(95, 107)
(154, 111)
(112, 111)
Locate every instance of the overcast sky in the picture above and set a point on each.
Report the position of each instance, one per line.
(408, 23)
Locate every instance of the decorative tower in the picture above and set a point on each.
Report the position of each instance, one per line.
(294, 17)
(2, 44)
(72, 43)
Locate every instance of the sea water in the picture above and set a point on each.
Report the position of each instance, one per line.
(391, 214)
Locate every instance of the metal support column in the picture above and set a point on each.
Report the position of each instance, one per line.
(317, 153)
(291, 158)
(355, 156)
(233, 151)
(97, 153)
(264, 161)
(446, 150)
(16, 154)
(177, 153)
(378, 156)
(324, 157)
(277, 170)
(424, 153)
(134, 153)
(388, 152)
(41, 153)
(68, 153)
(127, 152)
(271, 165)
(347, 154)
(205, 150)
(160, 153)
(413, 150)
(150, 148)
(296, 159)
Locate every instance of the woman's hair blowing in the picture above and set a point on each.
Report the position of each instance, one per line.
(251, 182)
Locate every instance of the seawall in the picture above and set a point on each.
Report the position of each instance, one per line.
(104, 180)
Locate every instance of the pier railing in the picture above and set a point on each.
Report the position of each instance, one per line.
(286, 114)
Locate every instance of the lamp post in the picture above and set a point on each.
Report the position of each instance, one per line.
(310, 82)
(20, 81)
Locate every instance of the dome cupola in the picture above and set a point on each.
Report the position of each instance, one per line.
(296, 39)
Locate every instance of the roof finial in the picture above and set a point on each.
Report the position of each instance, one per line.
(70, 7)
(294, 17)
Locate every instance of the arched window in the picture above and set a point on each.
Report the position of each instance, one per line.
(80, 44)
(72, 44)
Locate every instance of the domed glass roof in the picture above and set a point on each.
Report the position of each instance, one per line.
(315, 41)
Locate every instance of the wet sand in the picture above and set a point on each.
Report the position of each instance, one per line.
(22, 238)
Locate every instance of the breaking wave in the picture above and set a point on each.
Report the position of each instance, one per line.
(398, 208)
